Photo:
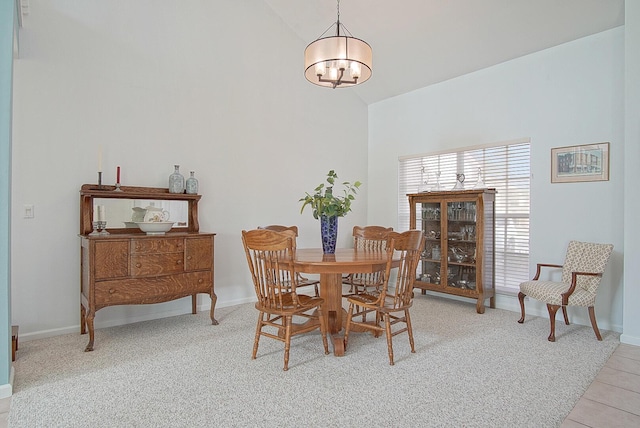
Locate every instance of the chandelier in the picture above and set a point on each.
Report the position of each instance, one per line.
(337, 61)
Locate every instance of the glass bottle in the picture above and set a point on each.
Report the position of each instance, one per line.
(192, 184)
(176, 181)
(480, 183)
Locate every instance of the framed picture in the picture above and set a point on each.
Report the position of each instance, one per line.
(589, 162)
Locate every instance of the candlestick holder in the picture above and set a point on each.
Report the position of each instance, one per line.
(117, 189)
(102, 225)
(96, 226)
(99, 180)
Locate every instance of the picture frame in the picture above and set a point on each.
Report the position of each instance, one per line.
(588, 162)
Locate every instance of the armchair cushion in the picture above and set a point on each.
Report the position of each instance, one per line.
(551, 293)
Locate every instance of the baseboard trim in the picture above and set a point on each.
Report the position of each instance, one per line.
(7, 389)
(629, 340)
(510, 302)
(204, 307)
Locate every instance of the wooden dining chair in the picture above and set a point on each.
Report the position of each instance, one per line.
(390, 305)
(302, 281)
(269, 256)
(367, 238)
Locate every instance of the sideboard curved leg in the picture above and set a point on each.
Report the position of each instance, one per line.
(90, 317)
(214, 299)
(83, 319)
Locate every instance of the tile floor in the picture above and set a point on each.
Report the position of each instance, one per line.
(611, 401)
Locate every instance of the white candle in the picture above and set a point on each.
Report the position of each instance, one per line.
(99, 158)
(95, 213)
(101, 213)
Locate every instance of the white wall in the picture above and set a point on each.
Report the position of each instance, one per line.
(632, 173)
(567, 95)
(8, 22)
(216, 87)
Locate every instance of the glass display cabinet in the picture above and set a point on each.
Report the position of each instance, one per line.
(459, 253)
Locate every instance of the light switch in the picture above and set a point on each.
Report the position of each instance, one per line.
(28, 211)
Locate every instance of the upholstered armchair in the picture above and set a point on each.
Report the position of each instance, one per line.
(582, 271)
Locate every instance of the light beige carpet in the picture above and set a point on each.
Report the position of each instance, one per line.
(469, 370)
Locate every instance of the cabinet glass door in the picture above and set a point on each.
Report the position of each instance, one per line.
(461, 244)
(430, 262)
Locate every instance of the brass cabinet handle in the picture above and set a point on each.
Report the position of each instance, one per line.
(111, 291)
(138, 265)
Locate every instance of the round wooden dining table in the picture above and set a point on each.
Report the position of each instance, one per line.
(331, 268)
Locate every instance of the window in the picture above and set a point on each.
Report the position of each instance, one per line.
(505, 167)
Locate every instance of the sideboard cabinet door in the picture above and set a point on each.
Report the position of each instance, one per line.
(198, 253)
(111, 259)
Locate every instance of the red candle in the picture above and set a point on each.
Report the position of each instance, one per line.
(118, 175)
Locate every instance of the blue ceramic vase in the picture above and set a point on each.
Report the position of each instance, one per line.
(329, 232)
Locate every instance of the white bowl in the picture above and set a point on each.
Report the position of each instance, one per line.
(155, 227)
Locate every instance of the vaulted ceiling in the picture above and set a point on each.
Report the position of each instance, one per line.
(417, 43)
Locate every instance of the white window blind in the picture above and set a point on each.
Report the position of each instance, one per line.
(505, 167)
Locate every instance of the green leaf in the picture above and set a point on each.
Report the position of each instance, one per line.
(325, 202)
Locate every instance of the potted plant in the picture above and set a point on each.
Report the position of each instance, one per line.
(327, 207)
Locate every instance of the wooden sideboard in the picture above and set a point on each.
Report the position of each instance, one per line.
(127, 266)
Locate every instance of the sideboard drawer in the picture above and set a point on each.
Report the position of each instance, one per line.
(152, 290)
(157, 245)
(157, 264)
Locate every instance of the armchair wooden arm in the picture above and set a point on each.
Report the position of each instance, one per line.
(541, 265)
(574, 282)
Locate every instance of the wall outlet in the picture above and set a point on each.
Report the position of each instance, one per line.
(28, 211)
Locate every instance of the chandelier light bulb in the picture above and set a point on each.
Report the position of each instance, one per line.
(320, 69)
(355, 70)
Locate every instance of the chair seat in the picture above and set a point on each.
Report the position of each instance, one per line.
(304, 304)
(370, 299)
(550, 292)
(363, 298)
